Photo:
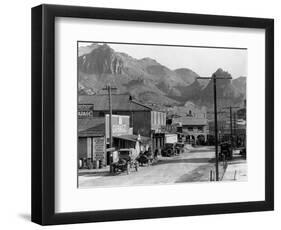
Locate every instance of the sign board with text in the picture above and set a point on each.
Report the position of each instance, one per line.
(99, 148)
(120, 125)
(85, 110)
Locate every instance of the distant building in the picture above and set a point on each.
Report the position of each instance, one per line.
(241, 113)
(192, 120)
(240, 126)
(224, 126)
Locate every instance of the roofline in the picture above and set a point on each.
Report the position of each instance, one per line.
(129, 96)
(131, 100)
(138, 103)
(104, 94)
(195, 124)
(90, 135)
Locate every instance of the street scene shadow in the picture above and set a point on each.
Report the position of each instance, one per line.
(191, 160)
(201, 150)
(237, 160)
(195, 175)
(91, 173)
(101, 174)
(199, 174)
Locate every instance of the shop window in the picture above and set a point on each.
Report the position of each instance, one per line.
(189, 114)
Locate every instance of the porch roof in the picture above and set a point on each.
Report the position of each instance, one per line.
(133, 138)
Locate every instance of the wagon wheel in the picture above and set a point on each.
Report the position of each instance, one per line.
(90, 165)
(128, 168)
(136, 166)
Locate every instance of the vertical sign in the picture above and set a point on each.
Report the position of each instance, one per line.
(99, 148)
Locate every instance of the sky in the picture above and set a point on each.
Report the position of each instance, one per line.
(204, 61)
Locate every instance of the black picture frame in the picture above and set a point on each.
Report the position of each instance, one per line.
(43, 114)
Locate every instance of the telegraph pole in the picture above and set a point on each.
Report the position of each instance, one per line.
(214, 78)
(109, 88)
(231, 133)
(221, 126)
(235, 128)
(216, 127)
(231, 129)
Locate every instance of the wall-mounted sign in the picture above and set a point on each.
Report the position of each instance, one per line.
(85, 110)
(120, 129)
(99, 148)
(82, 114)
(120, 125)
(83, 107)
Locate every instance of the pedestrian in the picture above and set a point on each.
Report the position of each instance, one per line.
(155, 154)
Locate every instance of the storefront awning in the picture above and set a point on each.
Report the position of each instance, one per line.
(133, 138)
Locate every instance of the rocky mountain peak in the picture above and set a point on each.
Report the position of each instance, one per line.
(221, 73)
(102, 60)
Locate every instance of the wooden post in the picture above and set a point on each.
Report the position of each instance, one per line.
(109, 88)
(216, 127)
(214, 79)
(210, 175)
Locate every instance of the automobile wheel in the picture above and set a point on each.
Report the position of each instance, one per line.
(148, 162)
(169, 152)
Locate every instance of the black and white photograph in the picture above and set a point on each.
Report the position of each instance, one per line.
(152, 114)
(142, 114)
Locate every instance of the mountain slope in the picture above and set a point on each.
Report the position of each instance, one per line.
(149, 81)
(240, 84)
(187, 75)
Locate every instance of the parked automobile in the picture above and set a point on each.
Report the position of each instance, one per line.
(225, 151)
(243, 152)
(169, 149)
(179, 147)
(127, 159)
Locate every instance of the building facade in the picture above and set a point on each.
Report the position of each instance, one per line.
(93, 136)
(91, 142)
(143, 120)
(192, 120)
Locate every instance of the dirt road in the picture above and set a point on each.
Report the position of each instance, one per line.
(193, 166)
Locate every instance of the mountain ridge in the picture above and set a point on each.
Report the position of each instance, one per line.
(149, 81)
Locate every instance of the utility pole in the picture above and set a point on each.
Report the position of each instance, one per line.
(235, 128)
(216, 127)
(231, 129)
(221, 125)
(214, 78)
(109, 88)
